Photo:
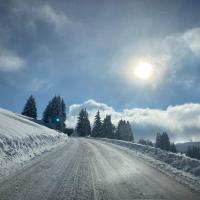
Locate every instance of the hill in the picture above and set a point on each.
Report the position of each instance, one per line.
(22, 139)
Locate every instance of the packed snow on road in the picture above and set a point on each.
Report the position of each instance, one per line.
(184, 169)
(21, 139)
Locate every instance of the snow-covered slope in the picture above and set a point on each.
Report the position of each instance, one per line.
(22, 139)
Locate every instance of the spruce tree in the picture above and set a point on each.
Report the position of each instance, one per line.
(83, 127)
(87, 124)
(47, 113)
(162, 141)
(149, 143)
(97, 127)
(63, 114)
(173, 148)
(145, 142)
(79, 126)
(124, 131)
(30, 109)
(55, 114)
(128, 133)
(108, 129)
(193, 152)
(165, 142)
(142, 141)
(158, 141)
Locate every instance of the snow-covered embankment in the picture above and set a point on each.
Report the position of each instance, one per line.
(21, 139)
(184, 169)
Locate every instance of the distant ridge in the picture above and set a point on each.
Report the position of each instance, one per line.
(182, 147)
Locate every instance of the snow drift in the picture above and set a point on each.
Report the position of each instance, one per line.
(184, 169)
(22, 139)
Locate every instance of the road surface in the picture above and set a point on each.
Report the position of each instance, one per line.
(90, 169)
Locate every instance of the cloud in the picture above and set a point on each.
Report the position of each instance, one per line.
(37, 84)
(182, 122)
(192, 40)
(10, 62)
(49, 14)
(35, 13)
(170, 56)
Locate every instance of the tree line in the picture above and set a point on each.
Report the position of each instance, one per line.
(54, 116)
(103, 128)
(162, 142)
(193, 152)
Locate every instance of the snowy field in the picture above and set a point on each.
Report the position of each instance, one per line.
(184, 169)
(21, 139)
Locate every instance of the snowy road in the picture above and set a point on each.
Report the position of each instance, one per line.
(90, 169)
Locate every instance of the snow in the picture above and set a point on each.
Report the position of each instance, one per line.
(184, 169)
(21, 139)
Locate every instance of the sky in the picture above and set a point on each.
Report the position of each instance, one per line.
(88, 50)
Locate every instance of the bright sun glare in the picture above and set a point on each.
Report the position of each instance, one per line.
(143, 70)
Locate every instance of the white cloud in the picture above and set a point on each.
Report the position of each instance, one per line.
(182, 122)
(167, 55)
(192, 39)
(10, 62)
(49, 14)
(37, 84)
(41, 12)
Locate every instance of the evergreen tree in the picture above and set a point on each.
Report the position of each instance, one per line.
(193, 152)
(149, 143)
(30, 109)
(142, 141)
(97, 127)
(158, 140)
(63, 114)
(162, 141)
(145, 142)
(46, 114)
(173, 148)
(124, 131)
(55, 114)
(83, 127)
(80, 123)
(165, 142)
(108, 129)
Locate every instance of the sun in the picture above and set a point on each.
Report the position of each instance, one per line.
(143, 70)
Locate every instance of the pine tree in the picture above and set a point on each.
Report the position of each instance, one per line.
(108, 129)
(146, 142)
(83, 127)
(173, 148)
(63, 114)
(47, 113)
(128, 133)
(55, 114)
(124, 131)
(193, 152)
(162, 141)
(165, 142)
(158, 141)
(142, 141)
(30, 109)
(97, 127)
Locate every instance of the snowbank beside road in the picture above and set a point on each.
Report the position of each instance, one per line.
(184, 169)
(21, 139)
